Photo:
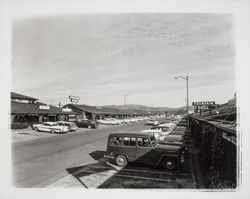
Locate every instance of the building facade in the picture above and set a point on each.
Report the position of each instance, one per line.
(25, 109)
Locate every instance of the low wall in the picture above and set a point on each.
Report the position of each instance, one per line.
(218, 152)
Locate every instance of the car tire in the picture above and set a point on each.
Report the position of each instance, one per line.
(121, 160)
(53, 131)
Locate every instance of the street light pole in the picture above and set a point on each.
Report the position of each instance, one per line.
(125, 97)
(187, 97)
(185, 78)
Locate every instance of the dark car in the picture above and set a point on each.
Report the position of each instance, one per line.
(179, 131)
(180, 128)
(177, 140)
(126, 147)
(87, 124)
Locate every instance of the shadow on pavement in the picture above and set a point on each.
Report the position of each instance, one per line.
(97, 155)
(87, 173)
(105, 174)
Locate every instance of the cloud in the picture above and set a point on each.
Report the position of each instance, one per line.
(101, 55)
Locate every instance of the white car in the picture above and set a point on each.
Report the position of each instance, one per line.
(157, 133)
(72, 126)
(52, 127)
(168, 124)
(110, 121)
(150, 122)
(125, 121)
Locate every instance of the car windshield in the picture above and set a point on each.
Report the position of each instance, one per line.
(153, 141)
(50, 124)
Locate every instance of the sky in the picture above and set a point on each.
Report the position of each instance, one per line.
(102, 57)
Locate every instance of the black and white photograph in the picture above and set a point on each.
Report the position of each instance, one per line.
(125, 100)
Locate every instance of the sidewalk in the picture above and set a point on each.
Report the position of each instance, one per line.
(194, 152)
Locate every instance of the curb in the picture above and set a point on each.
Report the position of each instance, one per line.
(197, 170)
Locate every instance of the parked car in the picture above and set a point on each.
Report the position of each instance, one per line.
(125, 121)
(87, 124)
(126, 147)
(174, 140)
(163, 129)
(110, 121)
(72, 126)
(52, 127)
(152, 122)
(156, 132)
(180, 128)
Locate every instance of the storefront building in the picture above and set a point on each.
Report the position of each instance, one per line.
(25, 109)
(99, 112)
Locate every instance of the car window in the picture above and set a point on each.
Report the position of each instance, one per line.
(132, 141)
(153, 140)
(127, 141)
(117, 141)
(143, 142)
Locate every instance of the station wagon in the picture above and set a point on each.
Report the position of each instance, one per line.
(142, 147)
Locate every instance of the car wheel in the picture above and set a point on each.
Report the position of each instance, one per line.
(121, 160)
(52, 131)
(169, 164)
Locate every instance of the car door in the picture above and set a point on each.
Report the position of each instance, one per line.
(45, 127)
(144, 150)
(129, 148)
(84, 123)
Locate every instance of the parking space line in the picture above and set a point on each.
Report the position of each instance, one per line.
(128, 176)
(148, 171)
(125, 169)
(145, 178)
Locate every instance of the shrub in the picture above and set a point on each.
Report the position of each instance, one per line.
(19, 126)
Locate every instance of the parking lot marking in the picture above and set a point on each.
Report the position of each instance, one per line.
(144, 178)
(148, 171)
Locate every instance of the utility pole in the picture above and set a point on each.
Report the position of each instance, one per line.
(125, 98)
(185, 78)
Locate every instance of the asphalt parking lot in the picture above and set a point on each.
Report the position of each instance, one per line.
(105, 174)
(76, 160)
(30, 134)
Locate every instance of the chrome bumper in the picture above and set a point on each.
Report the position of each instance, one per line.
(108, 156)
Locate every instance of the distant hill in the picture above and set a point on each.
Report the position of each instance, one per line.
(149, 108)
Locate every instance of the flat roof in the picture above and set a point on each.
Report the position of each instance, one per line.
(105, 110)
(28, 108)
(20, 96)
(132, 133)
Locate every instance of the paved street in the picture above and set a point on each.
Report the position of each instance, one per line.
(76, 160)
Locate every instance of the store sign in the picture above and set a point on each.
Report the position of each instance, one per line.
(203, 106)
(66, 109)
(74, 99)
(203, 103)
(44, 107)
